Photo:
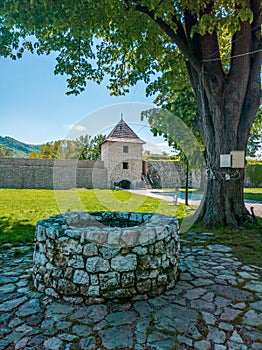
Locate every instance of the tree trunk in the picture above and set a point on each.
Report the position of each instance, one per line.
(221, 122)
(228, 97)
(227, 104)
(223, 202)
(221, 119)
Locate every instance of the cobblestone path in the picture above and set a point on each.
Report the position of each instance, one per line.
(216, 304)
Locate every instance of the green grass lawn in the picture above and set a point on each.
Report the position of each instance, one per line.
(246, 243)
(21, 209)
(253, 194)
(249, 193)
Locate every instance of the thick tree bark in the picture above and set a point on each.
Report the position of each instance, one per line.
(224, 202)
(225, 125)
(227, 105)
(227, 101)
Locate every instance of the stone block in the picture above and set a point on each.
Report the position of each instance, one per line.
(75, 234)
(70, 247)
(159, 248)
(147, 236)
(140, 250)
(40, 234)
(40, 259)
(81, 277)
(51, 292)
(171, 249)
(144, 286)
(94, 280)
(129, 238)
(94, 291)
(114, 238)
(127, 279)
(124, 263)
(94, 236)
(108, 252)
(76, 262)
(97, 264)
(90, 249)
(66, 287)
(109, 281)
(51, 232)
(149, 262)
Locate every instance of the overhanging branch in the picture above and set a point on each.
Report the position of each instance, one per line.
(178, 37)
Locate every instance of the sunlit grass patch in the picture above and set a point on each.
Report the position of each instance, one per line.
(20, 209)
(254, 194)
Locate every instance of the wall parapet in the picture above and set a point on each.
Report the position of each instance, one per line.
(51, 173)
(65, 163)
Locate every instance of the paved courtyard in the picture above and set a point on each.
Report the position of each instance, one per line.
(155, 193)
(216, 304)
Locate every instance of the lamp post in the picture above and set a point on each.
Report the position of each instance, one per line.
(186, 194)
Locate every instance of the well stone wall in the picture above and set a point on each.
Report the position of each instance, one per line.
(91, 257)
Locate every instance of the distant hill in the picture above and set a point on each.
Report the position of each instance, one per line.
(20, 149)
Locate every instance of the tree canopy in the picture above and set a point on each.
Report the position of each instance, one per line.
(84, 147)
(215, 44)
(6, 151)
(130, 40)
(254, 146)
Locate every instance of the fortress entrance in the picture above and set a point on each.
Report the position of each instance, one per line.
(125, 184)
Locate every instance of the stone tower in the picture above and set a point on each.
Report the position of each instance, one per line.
(121, 152)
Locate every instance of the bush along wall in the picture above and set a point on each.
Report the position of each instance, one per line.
(254, 175)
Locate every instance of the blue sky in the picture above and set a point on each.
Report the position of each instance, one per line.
(35, 109)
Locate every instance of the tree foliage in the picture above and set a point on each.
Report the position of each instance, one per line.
(215, 44)
(129, 40)
(84, 147)
(254, 172)
(254, 146)
(6, 152)
(182, 105)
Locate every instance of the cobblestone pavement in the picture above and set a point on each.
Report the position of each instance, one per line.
(216, 304)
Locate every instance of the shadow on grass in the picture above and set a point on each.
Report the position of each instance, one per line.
(15, 231)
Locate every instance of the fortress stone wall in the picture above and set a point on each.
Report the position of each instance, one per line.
(66, 174)
(51, 173)
(171, 174)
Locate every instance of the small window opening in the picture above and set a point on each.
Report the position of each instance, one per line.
(125, 149)
(125, 165)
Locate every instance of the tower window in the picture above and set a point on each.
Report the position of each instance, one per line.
(125, 165)
(125, 149)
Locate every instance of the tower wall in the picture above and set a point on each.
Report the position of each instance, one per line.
(123, 161)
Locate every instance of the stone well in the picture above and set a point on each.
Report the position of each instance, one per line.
(90, 257)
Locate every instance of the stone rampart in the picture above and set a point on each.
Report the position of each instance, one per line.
(51, 173)
(66, 174)
(171, 174)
